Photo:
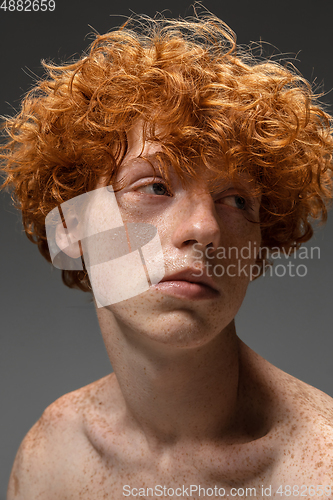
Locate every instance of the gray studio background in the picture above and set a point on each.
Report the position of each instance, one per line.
(50, 340)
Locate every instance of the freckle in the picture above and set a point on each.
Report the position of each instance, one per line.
(319, 464)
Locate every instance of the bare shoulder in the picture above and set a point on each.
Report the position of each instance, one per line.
(54, 447)
(301, 419)
(313, 442)
(307, 438)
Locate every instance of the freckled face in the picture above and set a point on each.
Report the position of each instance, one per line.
(190, 220)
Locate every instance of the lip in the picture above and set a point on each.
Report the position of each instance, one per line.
(191, 284)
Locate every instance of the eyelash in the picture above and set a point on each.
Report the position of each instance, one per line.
(159, 183)
(245, 202)
(248, 205)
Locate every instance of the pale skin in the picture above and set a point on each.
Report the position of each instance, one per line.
(188, 402)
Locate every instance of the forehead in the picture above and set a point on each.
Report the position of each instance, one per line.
(137, 145)
(153, 150)
(213, 172)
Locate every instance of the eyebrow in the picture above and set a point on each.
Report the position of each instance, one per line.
(153, 156)
(162, 161)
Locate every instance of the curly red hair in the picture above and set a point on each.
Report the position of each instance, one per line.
(215, 104)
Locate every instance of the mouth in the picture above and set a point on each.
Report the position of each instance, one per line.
(192, 284)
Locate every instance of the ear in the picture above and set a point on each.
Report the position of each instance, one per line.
(67, 238)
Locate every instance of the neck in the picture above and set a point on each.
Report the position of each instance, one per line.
(175, 393)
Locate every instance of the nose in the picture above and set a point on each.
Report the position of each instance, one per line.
(196, 222)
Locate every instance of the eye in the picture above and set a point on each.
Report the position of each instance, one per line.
(155, 188)
(235, 201)
(240, 202)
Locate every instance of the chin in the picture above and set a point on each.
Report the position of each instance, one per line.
(167, 321)
(184, 327)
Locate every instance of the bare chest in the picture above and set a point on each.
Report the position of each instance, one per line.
(97, 481)
(130, 473)
(118, 465)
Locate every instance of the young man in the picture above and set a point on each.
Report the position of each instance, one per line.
(216, 151)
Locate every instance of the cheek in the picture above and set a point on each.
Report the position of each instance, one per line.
(133, 209)
(250, 244)
(235, 259)
(241, 233)
(118, 280)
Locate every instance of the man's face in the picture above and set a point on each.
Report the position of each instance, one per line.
(197, 228)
